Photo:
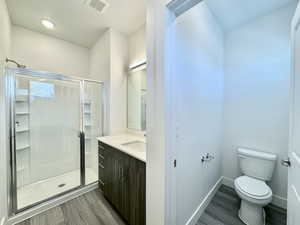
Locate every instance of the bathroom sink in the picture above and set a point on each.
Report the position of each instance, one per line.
(136, 145)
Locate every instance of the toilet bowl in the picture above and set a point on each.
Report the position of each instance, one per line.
(254, 194)
(257, 168)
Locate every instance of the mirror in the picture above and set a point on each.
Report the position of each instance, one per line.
(136, 99)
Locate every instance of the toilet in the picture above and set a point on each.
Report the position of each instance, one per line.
(257, 168)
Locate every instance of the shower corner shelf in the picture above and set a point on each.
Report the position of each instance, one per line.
(21, 169)
(21, 100)
(22, 130)
(20, 148)
(22, 113)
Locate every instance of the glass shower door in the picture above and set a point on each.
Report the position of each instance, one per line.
(92, 126)
(47, 118)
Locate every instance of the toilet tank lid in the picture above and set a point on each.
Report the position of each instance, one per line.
(257, 154)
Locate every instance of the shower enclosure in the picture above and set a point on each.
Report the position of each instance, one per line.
(54, 124)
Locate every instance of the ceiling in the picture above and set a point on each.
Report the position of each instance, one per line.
(233, 13)
(75, 21)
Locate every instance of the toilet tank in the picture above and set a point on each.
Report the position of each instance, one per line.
(257, 164)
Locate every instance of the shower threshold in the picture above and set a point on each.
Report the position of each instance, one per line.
(39, 191)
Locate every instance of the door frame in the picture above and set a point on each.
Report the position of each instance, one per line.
(294, 27)
(10, 76)
(161, 104)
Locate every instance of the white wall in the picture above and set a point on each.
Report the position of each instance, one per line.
(118, 82)
(99, 55)
(198, 73)
(109, 63)
(137, 46)
(257, 68)
(5, 29)
(43, 52)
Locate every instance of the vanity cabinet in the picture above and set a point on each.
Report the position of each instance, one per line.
(122, 179)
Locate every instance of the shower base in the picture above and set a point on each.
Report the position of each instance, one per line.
(36, 192)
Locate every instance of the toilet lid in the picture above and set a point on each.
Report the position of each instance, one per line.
(253, 186)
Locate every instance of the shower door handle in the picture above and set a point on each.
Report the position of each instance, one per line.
(82, 157)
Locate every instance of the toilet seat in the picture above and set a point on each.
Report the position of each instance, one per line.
(254, 188)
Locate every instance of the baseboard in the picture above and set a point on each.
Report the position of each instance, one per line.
(228, 182)
(277, 200)
(51, 204)
(200, 209)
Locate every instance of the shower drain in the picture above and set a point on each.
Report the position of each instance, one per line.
(61, 185)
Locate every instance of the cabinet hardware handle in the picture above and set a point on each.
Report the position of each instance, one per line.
(101, 165)
(101, 181)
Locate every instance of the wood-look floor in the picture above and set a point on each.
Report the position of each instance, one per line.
(223, 210)
(88, 209)
(93, 209)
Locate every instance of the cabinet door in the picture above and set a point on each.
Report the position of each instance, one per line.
(110, 176)
(101, 170)
(116, 188)
(138, 192)
(124, 186)
(108, 183)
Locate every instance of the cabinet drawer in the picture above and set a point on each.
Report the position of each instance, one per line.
(101, 185)
(101, 150)
(101, 173)
(101, 159)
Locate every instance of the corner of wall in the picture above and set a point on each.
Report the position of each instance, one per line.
(118, 81)
(100, 69)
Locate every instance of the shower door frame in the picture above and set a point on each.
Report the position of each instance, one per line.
(10, 75)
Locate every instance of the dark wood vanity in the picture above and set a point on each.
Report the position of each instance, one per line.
(122, 179)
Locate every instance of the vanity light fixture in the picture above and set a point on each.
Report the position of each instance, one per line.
(48, 24)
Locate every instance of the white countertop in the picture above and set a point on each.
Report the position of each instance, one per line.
(117, 142)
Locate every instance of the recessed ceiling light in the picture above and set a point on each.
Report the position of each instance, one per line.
(48, 24)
